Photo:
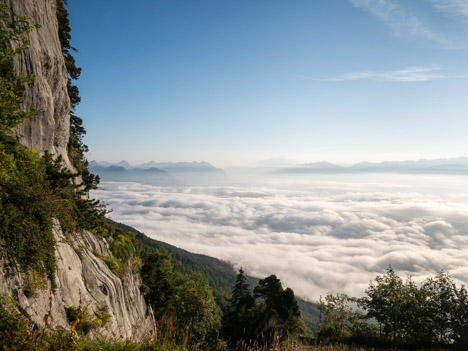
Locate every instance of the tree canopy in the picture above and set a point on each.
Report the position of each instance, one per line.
(259, 317)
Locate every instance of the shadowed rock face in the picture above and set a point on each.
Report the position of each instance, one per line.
(49, 129)
(83, 279)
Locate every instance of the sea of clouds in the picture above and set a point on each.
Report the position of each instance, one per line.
(318, 234)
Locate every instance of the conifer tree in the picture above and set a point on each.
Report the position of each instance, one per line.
(238, 317)
(241, 295)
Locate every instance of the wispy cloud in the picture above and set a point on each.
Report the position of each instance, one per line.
(408, 74)
(399, 19)
(456, 7)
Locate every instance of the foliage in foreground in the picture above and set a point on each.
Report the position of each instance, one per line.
(270, 314)
(16, 334)
(398, 313)
(260, 317)
(185, 299)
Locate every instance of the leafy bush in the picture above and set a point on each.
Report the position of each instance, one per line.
(122, 245)
(117, 267)
(11, 321)
(122, 242)
(83, 322)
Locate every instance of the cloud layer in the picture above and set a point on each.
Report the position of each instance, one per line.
(318, 236)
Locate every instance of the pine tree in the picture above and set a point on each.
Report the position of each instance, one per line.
(237, 322)
(241, 296)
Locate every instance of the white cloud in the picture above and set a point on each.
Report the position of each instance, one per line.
(318, 236)
(456, 7)
(398, 19)
(408, 74)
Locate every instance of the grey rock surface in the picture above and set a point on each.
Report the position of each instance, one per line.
(84, 280)
(49, 129)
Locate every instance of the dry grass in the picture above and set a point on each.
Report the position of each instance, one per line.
(300, 347)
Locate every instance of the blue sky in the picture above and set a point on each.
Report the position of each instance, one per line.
(234, 82)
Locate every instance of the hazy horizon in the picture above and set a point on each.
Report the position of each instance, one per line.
(278, 161)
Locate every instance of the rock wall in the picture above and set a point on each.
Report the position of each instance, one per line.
(49, 129)
(84, 280)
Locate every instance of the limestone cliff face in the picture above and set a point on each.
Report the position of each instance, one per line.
(82, 278)
(49, 129)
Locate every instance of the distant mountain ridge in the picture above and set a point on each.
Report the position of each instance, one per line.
(458, 165)
(194, 166)
(158, 173)
(118, 173)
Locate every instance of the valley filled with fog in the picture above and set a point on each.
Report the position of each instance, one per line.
(318, 232)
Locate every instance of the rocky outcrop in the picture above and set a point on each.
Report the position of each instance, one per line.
(49, 129)
(84, 280)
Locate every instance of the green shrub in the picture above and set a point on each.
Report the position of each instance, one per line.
(122, 245)
(34, 281)
(11, 321)
(117, 267)
(83, 322)
(16, 335)
(102, 316)
(121, 241)
(82, 318)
